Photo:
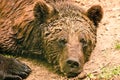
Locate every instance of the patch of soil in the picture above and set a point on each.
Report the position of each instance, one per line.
(104, 54)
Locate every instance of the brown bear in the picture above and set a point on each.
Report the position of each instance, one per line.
(61, 32)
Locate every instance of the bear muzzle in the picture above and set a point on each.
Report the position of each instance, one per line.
(72, 67)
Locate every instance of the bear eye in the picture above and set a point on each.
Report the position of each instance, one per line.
(62, 41)
(84, 42)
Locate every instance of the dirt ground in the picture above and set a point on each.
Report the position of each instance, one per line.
(104, 54)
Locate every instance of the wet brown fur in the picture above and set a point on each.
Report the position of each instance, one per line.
(33, 26)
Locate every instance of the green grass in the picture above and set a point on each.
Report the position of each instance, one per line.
(106, 73)
(117, 46)
(8, 56)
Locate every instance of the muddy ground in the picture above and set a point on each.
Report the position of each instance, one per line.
(105, 53)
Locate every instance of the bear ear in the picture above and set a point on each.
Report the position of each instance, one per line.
(95, 14)
(44, 12)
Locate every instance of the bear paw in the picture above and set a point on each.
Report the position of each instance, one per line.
(17, 70)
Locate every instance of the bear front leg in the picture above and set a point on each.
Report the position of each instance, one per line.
(16, 68)
(4, 76)
(13, 69)
(12, 77)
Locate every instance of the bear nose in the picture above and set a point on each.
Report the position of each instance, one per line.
(72, 63)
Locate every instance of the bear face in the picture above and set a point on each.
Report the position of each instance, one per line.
(69, 44)
(69, 39)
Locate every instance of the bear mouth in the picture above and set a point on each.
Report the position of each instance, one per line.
(71, 74)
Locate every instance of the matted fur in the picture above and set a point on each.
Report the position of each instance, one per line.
(57, 30)
(16, 24)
